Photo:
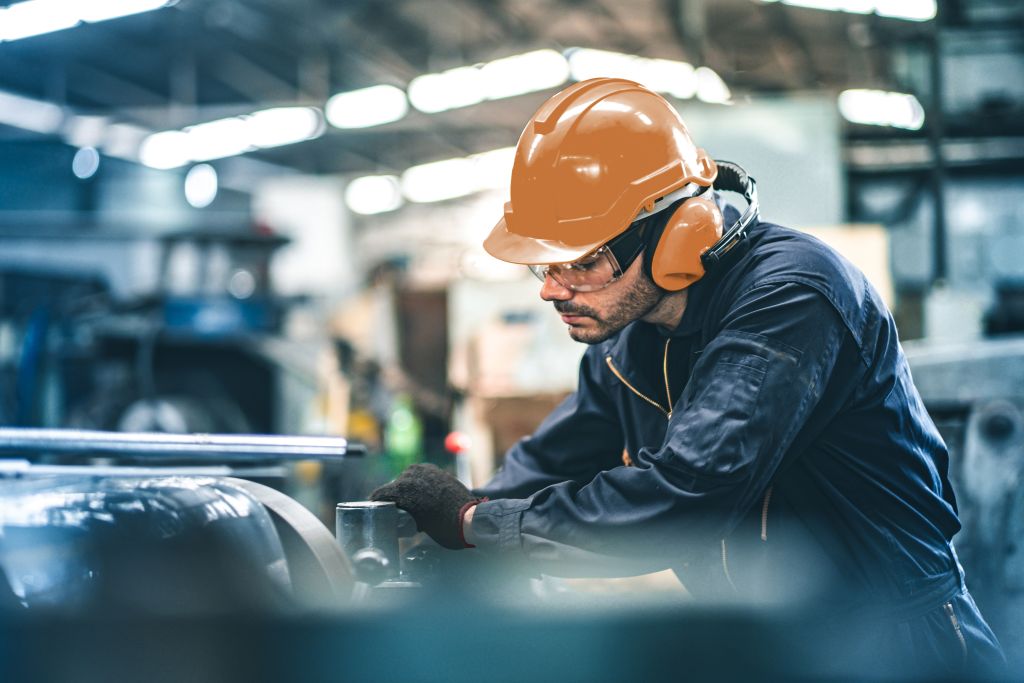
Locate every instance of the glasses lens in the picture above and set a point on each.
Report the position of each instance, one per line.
(540, 271)
(593, 271)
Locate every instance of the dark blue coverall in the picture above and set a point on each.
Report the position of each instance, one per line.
(777, 450)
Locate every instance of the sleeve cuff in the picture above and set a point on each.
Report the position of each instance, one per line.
(497, 524)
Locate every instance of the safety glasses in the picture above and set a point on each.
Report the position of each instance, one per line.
(596, 270)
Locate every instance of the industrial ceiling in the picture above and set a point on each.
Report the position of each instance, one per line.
(199, 60)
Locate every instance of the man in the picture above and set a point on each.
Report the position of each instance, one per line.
(744, 415)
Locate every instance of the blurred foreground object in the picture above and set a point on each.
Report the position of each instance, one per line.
(162, 546)
(77, 534)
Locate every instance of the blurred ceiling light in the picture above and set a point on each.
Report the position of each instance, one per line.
(433, 182)
(231, 136)
(33, 18)
(123, 140)
(459, 87)
(678, 79)
(85, 131)
(525, 73)
(284, 126)
(86, 163)
(440, 180)
(217, 139)
(881, 108)
(711, 88)
(912, 10)
(373, 194)
(36, 17)
(451, 178)
(29, 114)
(101, 10)
(852, 6)
(167, 149)
(505, 77)
(201, 185)
(494, 168)
(366, 107)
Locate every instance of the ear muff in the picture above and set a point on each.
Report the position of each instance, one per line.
(692, 228)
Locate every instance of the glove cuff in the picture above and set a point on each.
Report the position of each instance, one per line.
(462, 517)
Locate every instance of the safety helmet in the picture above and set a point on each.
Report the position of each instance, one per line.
(596, 157)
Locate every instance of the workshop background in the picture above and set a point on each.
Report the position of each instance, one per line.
(266, 216)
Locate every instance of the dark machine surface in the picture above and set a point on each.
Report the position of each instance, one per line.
(95, 535)
(158, 544)
(447, 638)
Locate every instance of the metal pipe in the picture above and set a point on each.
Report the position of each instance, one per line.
(21, 468)
(216, 446)
(936, 133)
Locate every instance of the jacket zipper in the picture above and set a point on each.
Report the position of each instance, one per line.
(664, 366)
(725, 567)
(668, 415)
(764, 513)
(956, 627)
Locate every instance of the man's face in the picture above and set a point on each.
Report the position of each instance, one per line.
(595, 316)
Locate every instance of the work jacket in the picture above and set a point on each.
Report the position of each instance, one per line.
(772, 448)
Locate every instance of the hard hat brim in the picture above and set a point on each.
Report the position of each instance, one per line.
(531, 251)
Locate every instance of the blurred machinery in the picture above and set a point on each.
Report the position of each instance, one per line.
(975, 393)
(198, 353)
(157, 539)
(191, 358)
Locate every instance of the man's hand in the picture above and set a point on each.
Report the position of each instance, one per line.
(435, 499)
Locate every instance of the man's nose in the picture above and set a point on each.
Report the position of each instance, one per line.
(552, 290)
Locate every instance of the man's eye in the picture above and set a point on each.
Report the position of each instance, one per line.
(584, 265)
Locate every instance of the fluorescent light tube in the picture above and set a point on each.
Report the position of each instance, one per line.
(366, 107)
(373, 194)
(881, 108)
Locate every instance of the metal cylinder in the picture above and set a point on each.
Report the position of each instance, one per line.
(216, 446)
(373, 526)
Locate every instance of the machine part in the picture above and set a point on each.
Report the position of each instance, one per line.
(372, 566)
(958, 375)
(21, 468)
(993, 463)
(320, 572)
(368, 532)
(974, 390)
(218, 446)
(157, 545)
(183, 415)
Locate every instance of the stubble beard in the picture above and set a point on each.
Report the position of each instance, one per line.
(636, 302)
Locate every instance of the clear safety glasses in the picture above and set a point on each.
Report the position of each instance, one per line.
(596, 270)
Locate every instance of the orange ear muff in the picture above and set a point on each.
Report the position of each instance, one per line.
(691, 230)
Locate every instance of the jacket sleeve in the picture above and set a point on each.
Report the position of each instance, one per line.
(580, 438)
(749, 393)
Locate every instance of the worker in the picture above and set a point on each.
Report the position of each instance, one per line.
(744, 415)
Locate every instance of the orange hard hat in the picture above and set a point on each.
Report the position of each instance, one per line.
(594, 158)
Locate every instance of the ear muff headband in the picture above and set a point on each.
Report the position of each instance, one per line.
(732, 178)
(687, 240)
